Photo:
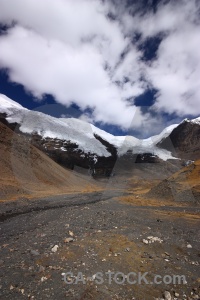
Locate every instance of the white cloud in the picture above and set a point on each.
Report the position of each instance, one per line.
(72, 50)
(61, 48)
(176, 71)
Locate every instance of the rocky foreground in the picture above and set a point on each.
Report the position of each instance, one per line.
(43, 240)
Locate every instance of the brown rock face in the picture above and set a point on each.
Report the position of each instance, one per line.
(183, 186)
(68, 155)
(184, 141)
(28, 172)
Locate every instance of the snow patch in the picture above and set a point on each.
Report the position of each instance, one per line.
(154, 140)
(196, 121)
(9, 106)
(63, 149)
(50, 127)
(95, 158)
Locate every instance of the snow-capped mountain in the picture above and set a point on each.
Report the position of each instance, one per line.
(72, 142)
(194, 121)
(78, 131)
(9, 106)
(184, 140)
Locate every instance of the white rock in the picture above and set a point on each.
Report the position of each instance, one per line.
(153, 239)
(145, 241)
(68, 240)
(167, 295)
(189, 246)
(43, 279)
(54, 249)
(176, 295)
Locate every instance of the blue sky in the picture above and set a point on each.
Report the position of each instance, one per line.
(124, 66)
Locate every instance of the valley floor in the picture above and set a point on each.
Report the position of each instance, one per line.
(97, 232)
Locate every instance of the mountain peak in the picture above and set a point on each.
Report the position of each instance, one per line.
(196, 121)
(8, 106)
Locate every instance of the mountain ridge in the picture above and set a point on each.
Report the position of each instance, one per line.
(27, 172)
(72, 142)
(30, 122)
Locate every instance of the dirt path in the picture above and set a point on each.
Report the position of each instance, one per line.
(107, 236)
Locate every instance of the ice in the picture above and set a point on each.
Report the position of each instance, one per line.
(82, 133)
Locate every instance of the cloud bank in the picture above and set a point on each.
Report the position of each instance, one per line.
(84, 52)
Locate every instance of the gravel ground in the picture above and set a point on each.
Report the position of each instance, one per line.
(44, 239)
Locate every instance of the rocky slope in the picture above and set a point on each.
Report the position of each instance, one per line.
(183, 186)
(184, 140)
(106, 235)
(73, 143)
(27, 172)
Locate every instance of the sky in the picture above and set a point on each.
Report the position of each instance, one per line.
(129, 67)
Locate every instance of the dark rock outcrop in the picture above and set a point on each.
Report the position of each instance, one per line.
(70, 156)
(184, 141)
